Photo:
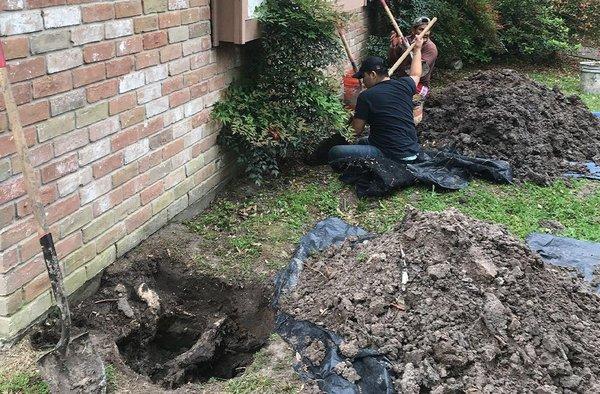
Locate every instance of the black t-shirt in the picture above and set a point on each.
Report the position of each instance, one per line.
(388, 108)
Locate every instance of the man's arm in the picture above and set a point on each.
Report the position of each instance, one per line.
(359, 126)
(416, 68)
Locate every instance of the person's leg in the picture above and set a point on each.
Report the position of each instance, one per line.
(354, 152)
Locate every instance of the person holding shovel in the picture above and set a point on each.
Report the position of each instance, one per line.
(387, 106)
(429, 54)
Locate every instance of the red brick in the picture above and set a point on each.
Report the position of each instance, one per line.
(59, 168)
(122, 103)
(17, 232)
(107, 165)
(199, 3)
(66, 246)
(125, 9)
(219, 82)
(152, 192)
(44, 3)
(29, 248)
(97, 12)
(35, 112)
(102, 90)
(155, 39)
(38, 155)
(62, 208)
(23, 274)
(146, 59)
(21, 93)
(111, 236)
(48, 194)
(88, 74)
(103, 128)
(125, 138)
(107, 202)
(133, 187)
(169, 19)
(129, 45)
(145, 23)
(151, 160)
(132, 117)
(200, 118)
(140, 217)
(178, 98)
(190, 15)
(11, 189)
(199, 89)
(21, 70)
(7, 215)
(170, 52)
(172, 148)
(37, 286)
(52, 84)
(7, 145)
(172, 84)
(117, 67)
(8, 260)
(15, 47)
(153, 126)
(97, 52)
(204, 13)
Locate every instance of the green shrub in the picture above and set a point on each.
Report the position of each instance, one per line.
(531, 28)
(287, 106)
(582, 17)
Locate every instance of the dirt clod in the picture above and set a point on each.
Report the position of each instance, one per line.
(502, 114)
(481, 312)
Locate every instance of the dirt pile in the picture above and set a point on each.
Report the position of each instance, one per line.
(456, 305)
(502, 114)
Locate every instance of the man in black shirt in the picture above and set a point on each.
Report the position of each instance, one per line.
(387, 106)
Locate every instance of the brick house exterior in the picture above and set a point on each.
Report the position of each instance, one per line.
(115, 100)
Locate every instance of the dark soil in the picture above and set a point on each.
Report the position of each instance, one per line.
(502, 114)
(167, 322)
(457, 305)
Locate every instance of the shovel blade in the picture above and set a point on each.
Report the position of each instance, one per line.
(79, 370)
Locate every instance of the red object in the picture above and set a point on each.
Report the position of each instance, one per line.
(352, 89)
(2, 59)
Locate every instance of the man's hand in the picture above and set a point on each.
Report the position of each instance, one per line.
(418, 43)
(394, 39)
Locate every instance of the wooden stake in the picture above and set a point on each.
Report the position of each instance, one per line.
(347, 48)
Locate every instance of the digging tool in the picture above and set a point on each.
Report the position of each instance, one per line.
(410, 48)
(72, 366)
(394, 24)
(347, 48)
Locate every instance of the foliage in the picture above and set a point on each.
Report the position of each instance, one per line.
(531, 28)
(287, 106)
(23, 382)
(377, 46)
(582, 17)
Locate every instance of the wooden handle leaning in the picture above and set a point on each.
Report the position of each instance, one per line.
(410, 48)
(22, 151)
(348, 52)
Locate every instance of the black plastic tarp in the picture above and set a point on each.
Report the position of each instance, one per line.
(371, 366)
(567, 252)
(444, 169)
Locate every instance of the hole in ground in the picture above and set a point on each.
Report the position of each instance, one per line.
(206, 328)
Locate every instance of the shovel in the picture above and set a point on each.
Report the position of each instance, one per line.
(73, 366)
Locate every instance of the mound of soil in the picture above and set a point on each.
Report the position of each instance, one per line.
(170, 324)
(506, 115)
(457, 305)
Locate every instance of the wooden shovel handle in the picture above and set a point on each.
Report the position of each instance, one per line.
(410, 48)
(392, 19)
(22, 151)
(347, 49)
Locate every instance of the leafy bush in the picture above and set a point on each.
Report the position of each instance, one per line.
(531, 28)
(287, 106)
(582, 17)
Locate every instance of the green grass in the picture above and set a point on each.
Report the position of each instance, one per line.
(23, 383)
(569, 84)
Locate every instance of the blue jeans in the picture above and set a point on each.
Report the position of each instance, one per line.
(360, 150)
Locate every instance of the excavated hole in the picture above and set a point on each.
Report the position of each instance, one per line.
(196, 304)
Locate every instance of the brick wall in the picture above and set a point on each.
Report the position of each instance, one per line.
(115, 100)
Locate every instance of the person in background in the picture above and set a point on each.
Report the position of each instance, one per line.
(387, 106)
(429, 55)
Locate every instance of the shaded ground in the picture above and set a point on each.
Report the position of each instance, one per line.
(457, 305)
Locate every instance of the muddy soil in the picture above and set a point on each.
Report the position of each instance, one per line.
(457, 305)
(502, 114)
(169, 325)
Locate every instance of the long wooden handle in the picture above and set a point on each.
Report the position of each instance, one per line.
(347, 48)
(392, 19)
(410, 48)
(22, 151)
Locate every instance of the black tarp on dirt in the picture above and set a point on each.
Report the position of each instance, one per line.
(567, 252)
(372, 367)
(444, 169)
